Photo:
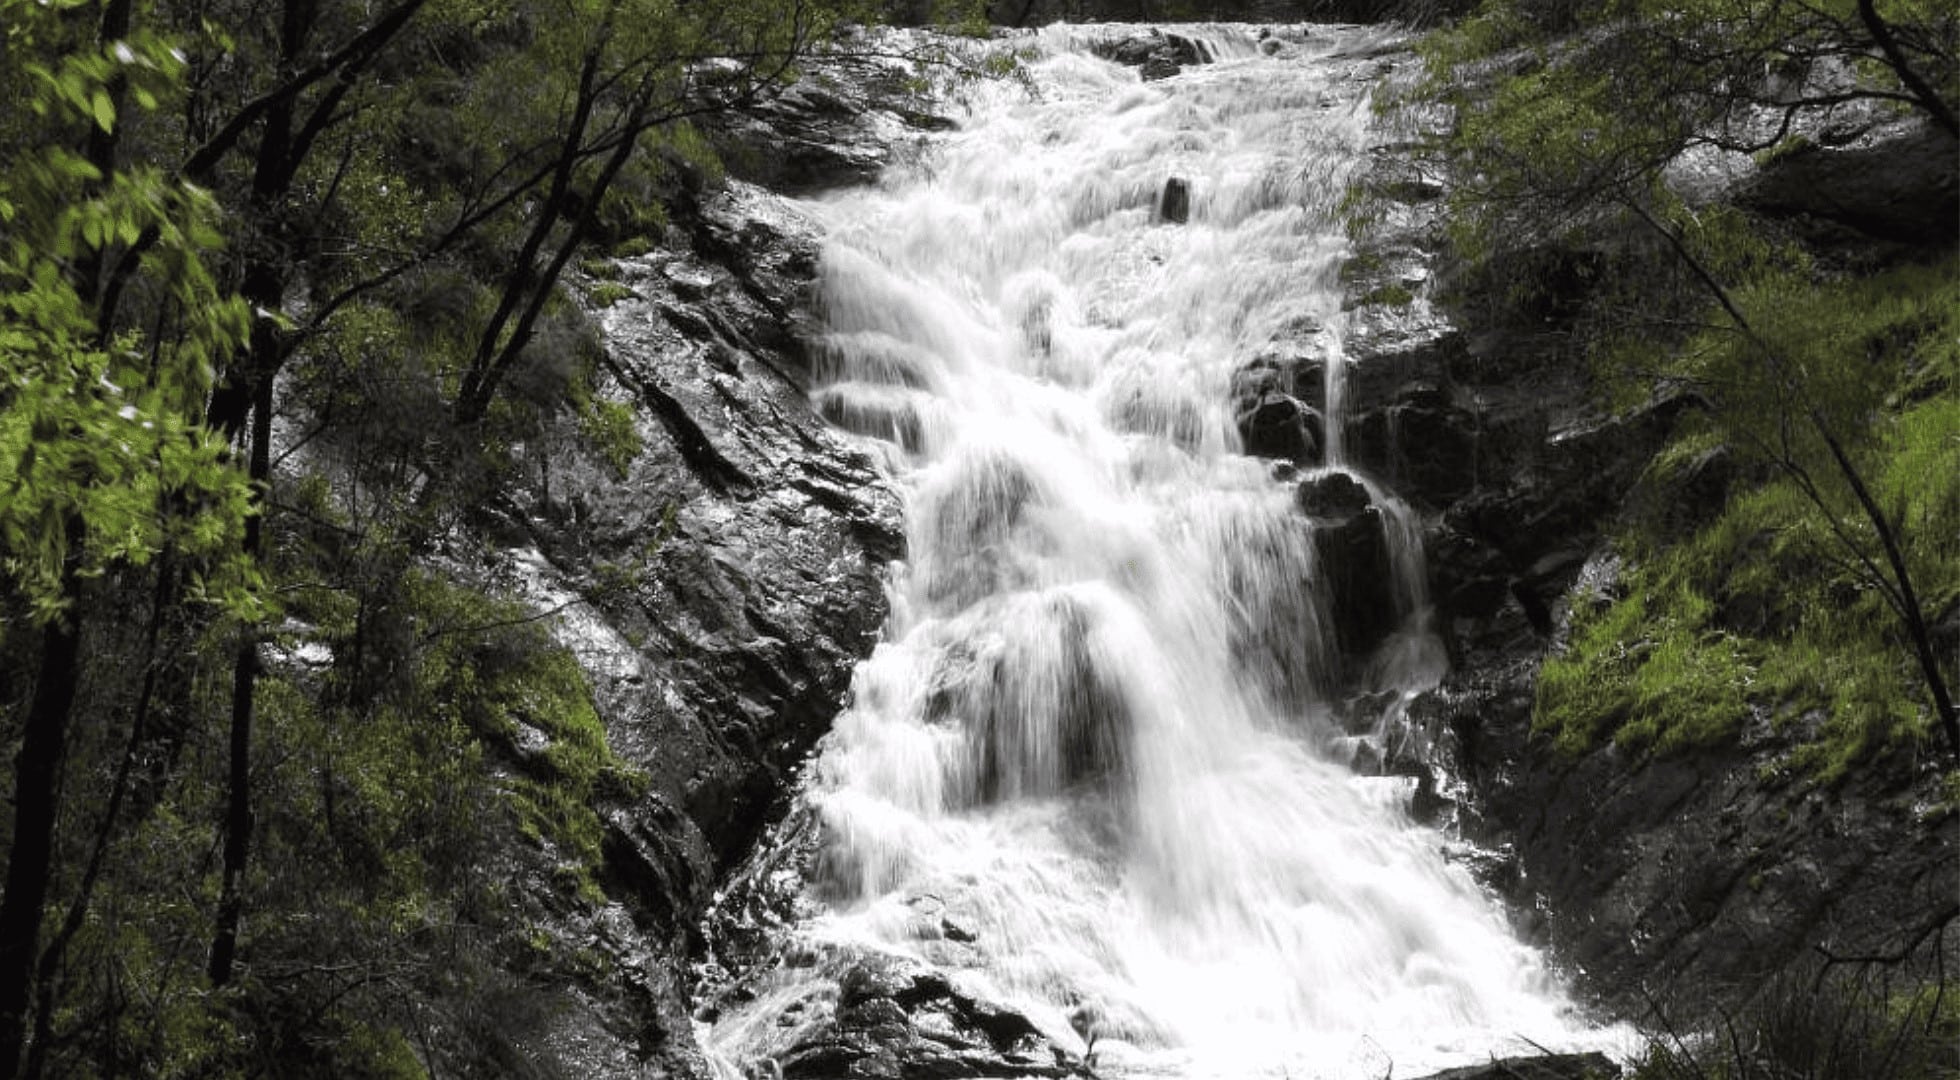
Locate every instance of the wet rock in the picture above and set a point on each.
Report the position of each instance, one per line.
(1697, 875)
(1295, 369)
(1897, 182)
(1336, 496)
(718, 586)
(1156, 54)
(867, 981)
(1281, 426)
(845, 121)
(1420, 443)
(878, 1018)
(1175, 204)
(897, 1018)
(1053, 677)
(1542, 1067)
(882, 414)
(1350, 539)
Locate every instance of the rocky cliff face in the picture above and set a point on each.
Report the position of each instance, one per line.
(732, 576)
(1686, 878)
(721, 584)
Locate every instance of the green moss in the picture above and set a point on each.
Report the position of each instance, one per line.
(1769, 607)
(381, 1054)
(631, 246)
(610, 428)
(1646, 671)
(556, 796)
(607, 293)
(1361, 266)
(1390, 295)
(1790, 144)
(599, 268)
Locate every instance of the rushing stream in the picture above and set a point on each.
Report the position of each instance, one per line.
(1092, 772)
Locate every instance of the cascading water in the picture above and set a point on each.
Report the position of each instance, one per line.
(1095, 741)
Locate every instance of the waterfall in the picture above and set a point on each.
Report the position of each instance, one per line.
(1096, 740)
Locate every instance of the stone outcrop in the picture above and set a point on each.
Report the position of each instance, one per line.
(848, 119)
(731, 576)
(1694, 877)
(1350, 541)
(1279, 401)
(859, 1013)
(1544, 1067)
(1175, 204)
(1697, 877)
(895, 1019)
(1154, 53)
(719, 587)
(1894, 181)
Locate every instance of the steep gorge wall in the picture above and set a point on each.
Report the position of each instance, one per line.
(1673, 879)
(718, 586)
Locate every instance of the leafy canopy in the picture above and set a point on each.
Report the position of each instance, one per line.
(103, 455)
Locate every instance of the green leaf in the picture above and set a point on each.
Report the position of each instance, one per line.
(104, 110)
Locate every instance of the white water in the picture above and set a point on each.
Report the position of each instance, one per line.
(1093, 739)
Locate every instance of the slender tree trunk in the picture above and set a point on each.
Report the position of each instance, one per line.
(251, 390)
(162, 598)
(576, 228)
(37, 769)
(1910, 612)
(1895, 57)
(494, 350)
(245, 677)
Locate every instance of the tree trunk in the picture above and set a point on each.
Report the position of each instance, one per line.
(37, 770)
(163, 597)
(1922, 92)
(244, 686)
(1910, 613)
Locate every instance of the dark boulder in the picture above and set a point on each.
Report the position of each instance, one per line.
(831, 128)
(1297, 372)
(1420, 442)
(1695, 877)
(1897, 182)
(1541, 1067)
(1175, 205)
(1333, 496)
(1350, 539)
(1281, 426)
(719, 585)
(1154, 53)
(901, 1019)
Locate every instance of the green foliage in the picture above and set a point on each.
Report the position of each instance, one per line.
(612, 430)
(1567, 121)
(104, 458)
(1767, 606)
(315, 211)
(491, 671)
(383, 1054)
(1392, 294)
(442, 688)
(607, 293)
(1848, 1023)
(1646, 669)
(1565, 115)
(1647, 78)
